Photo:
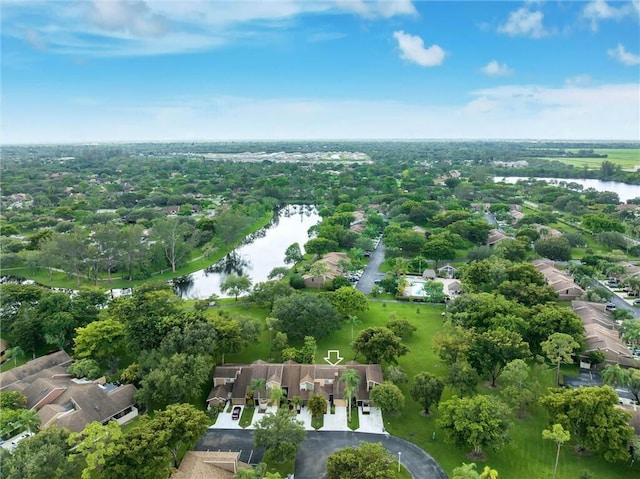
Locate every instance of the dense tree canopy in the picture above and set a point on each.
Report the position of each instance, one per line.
(303, 315)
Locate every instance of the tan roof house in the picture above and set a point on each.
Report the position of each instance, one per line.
(302, 380)
(67, 402)
(494, 237)
(4, 347)
(560, 281)
(332, 261)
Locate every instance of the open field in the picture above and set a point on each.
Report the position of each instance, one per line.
(626, 158)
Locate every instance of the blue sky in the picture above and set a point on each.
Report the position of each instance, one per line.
(151, 70)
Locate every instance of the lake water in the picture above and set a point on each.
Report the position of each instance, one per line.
(256, 257)
(625, 191)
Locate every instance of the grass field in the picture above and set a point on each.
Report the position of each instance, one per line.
(626, 158)
(528, 455)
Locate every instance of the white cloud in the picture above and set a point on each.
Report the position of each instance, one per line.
(148, 27)
(507, 112)
(495, 69)
(621, 55)
(524, 22)
(132, 17)
(578, 80)
(412, 49)
(597, 10)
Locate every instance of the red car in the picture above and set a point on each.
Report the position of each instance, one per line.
(235, 413)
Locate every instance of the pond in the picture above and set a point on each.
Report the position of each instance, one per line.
(259, 253)
(624, 190)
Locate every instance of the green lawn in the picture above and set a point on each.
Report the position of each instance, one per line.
(317, 422)
(528, 455)
(247, 416)
(627, 158)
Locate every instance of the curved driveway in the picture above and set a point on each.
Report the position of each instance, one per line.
(312, 457)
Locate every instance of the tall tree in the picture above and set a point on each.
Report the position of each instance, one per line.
(43, 456)
(492, 350)
(235, 285)
(170, 233)
(388, 397)
(103, 341)
(558, 349)
(351, 380)
(558, 435)
(366, 461)
(427, 390)
(175, 379)
(293, 254)
(519, 389)
(463, 377)
(348, 301)
(281, 434)
(378, 345)
(592, 417)
(479, 422)
(94, 444)
(180, 424)
(303, 315)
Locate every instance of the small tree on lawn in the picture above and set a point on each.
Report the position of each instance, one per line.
(478, 422)
(426, 390)
(558, 435)
(558, 349)
(235, 285)
(388, 397)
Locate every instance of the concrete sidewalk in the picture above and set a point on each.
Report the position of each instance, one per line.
(370, 423)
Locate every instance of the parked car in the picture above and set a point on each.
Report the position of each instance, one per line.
(610, 307)
(636, 302)
(235, 413)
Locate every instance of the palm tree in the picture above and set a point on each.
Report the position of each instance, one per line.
(276, 395)
(614, 375)
(256, 386)
(29, 418)
(466, 471)
(351, 380)
(15, 353)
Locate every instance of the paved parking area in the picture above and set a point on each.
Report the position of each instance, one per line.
(313, 453)
(370, 423)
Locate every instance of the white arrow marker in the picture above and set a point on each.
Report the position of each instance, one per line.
(330, 353)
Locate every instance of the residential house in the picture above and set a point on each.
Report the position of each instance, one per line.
(561, 281)
(302, 380)
(333, 262)
(602, 334)
(209, 465)
(495, 236)
(64, 401)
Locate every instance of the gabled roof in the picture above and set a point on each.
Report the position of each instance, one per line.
(34, 366)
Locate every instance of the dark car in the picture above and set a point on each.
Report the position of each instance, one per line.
(235, 414)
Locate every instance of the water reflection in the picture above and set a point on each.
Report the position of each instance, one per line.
(233, 263)
(257, 255)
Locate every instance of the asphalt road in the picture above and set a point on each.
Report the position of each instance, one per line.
(312, 457)
(371, 272)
